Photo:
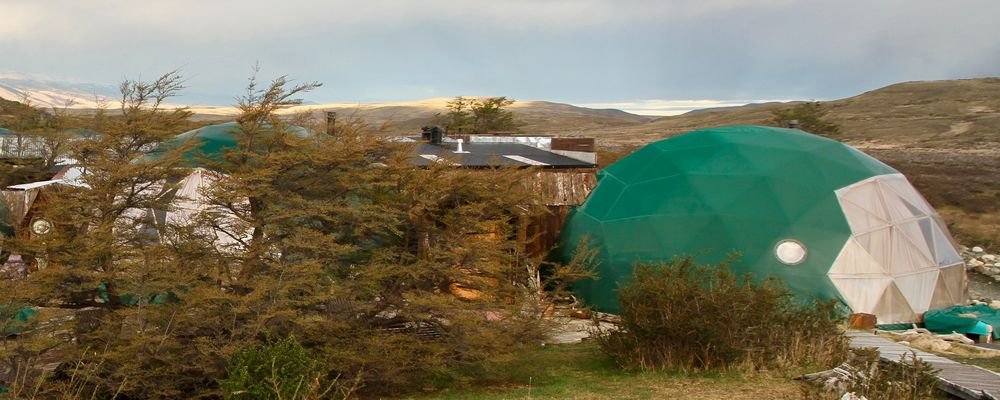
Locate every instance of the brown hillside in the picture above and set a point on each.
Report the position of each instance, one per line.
(944, 135)
(407, 117)
(938, 114)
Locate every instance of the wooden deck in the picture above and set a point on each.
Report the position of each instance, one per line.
(961, 380)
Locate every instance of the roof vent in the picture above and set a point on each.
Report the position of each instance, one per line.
(460, 151)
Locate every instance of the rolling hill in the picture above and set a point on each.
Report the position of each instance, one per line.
(944, 135)
(934, 114)
(407, 117)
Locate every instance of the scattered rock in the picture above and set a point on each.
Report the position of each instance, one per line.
(995, 305)
(852, 396)
(977, 249)
(581, 314)
(975, 263)
(989, 257)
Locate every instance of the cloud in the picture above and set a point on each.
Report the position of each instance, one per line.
(570, 50)
(245, 20)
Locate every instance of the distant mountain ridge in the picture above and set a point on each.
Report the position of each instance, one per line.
(396, 117)
(947, 113)
(407, 117)
(932, 113)
(48, 93)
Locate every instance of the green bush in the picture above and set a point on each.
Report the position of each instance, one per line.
(686, 316)
(281, 370)
(909, 379)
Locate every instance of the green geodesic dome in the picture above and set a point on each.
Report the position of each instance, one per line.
(761, 191)
(210, 143)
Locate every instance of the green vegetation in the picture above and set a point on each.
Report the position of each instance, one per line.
(810, 116)
(478, 115)
(685, 316)
(583, 371)
(392, 278)
(280, 370)
(909, 379)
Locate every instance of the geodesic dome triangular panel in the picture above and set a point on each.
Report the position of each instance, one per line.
(827, 220)
(893, 307)
(910, 247)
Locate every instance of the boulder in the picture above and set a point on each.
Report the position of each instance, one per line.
(977, 249)
(995, 304)
(989, 258)
(976, 263)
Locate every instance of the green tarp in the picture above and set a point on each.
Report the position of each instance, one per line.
(14, 320)
(963, 319)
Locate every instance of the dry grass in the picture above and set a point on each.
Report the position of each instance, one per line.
(581, 371)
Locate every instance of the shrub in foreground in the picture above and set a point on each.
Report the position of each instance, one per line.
(868, 377)
(281, 370)
(681, 315)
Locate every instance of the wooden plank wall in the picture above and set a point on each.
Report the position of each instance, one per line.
(574, 144)
(561, 191)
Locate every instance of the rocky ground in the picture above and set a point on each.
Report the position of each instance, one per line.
(984, 275)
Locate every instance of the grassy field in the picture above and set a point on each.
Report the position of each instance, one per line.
(581, 371)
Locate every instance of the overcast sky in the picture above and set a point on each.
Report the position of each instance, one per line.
(577, 51)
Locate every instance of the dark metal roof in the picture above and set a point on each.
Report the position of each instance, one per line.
(493, 155)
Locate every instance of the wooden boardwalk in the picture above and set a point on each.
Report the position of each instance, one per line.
(961, 380)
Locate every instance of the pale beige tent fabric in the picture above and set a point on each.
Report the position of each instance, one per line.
(900, 260)
(190, 201)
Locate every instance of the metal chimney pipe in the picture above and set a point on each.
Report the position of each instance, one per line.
(331, 123)
(436, 135)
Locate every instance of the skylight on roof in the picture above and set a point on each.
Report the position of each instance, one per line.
(525, 160)
(435, 158)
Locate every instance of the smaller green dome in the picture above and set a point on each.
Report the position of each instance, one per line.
(211, 143)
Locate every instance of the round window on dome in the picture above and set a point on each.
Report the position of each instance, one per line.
(41, 227)
(790, 252)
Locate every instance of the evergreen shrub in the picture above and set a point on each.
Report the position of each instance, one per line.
(681, 315)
